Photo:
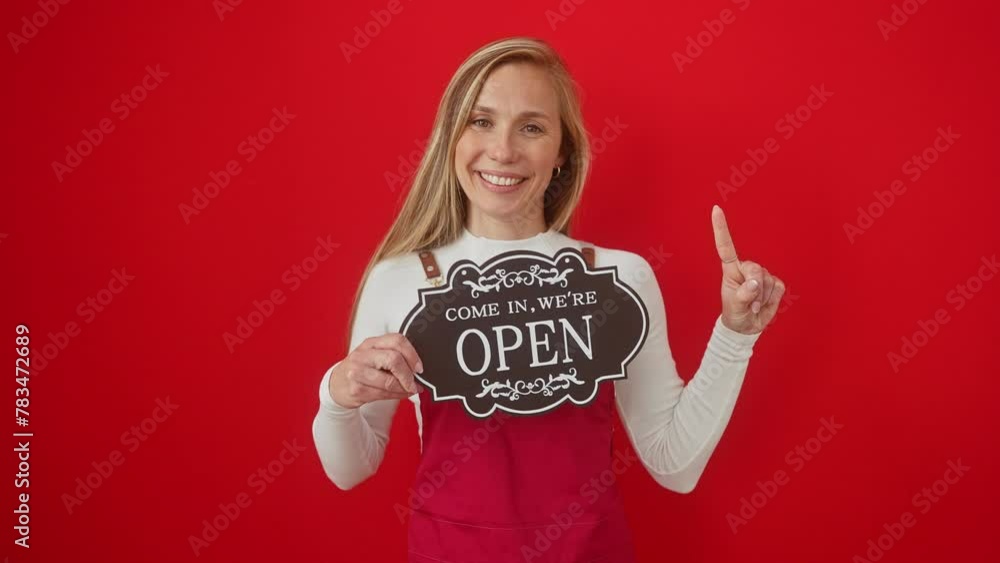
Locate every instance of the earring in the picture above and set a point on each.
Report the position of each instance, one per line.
(558, 172)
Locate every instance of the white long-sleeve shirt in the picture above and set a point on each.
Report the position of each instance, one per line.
(673, 427)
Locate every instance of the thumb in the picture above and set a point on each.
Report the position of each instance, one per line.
(747, 292)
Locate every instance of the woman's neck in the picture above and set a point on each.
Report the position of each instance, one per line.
(503, 229)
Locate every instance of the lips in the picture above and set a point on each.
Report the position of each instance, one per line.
(499, 182)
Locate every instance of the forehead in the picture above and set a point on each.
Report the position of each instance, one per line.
(517, 87)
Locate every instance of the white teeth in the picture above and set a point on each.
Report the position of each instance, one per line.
(500, 181)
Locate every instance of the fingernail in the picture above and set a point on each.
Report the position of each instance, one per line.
(756, 306)
(420, 367)
(754, 284)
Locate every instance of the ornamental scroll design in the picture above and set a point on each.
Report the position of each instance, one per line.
(539, 385)
(534, 275)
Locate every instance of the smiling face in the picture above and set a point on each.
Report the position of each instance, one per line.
(510, 145)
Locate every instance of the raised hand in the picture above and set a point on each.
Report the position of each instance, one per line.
(750, 294)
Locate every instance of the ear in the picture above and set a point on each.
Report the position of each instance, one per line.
(560, 160)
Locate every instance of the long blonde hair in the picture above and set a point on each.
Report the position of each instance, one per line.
(434, 211)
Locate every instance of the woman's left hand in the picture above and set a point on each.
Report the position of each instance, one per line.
(750, 294)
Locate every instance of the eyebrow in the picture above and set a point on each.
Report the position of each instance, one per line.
(529, 113)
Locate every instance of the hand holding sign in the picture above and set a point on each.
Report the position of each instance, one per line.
(381, 367)
(750, 294)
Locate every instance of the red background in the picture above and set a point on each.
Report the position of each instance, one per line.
(653, 187)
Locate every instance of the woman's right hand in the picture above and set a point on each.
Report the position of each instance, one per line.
(381, 367)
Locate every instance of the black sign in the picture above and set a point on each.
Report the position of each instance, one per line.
(525, 332)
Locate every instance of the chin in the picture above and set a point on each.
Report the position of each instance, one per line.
(505, 205)
(501, 204)
(500, 211)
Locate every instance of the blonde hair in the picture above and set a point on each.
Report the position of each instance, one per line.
(434, 211)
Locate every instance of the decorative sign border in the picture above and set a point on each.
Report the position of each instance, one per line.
(564, 253)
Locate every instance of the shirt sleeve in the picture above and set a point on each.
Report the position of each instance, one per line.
(351, 442)
(675, 427)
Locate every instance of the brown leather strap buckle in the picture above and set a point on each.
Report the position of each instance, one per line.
(431, 269)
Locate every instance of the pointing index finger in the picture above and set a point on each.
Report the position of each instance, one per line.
(724, 243)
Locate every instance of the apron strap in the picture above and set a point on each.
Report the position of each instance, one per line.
(588, 255)
(431, 269)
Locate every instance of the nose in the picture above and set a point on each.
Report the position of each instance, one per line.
(501, 148)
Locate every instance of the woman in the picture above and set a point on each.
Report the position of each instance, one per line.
(504, 170)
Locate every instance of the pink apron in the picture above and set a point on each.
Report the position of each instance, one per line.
(521, 489)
